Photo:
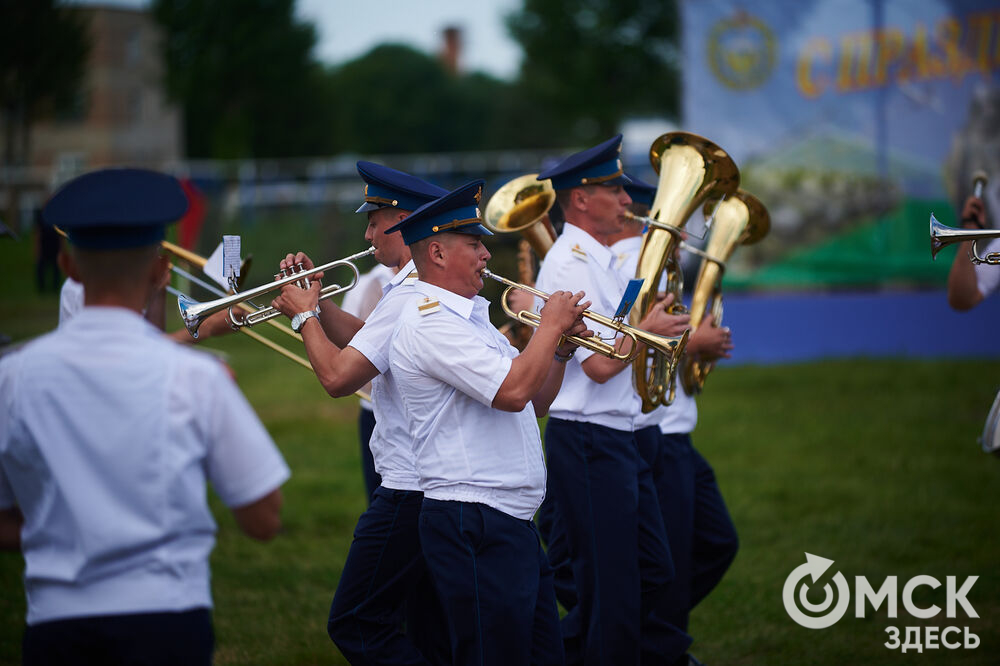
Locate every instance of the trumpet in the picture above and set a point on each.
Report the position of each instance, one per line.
(194, 313)
(670, 348)
(942, 235)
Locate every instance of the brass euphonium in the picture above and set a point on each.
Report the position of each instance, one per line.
(738, 220)
(692, 170)
(523, 205)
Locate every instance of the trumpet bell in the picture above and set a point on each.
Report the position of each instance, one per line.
(942, 236)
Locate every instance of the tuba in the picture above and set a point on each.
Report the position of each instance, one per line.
(523, 205)
(739, 220)
(692, 170)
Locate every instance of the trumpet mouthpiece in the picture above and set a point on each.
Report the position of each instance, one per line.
(979, 180)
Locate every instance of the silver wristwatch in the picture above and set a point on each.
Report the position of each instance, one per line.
(302, 317)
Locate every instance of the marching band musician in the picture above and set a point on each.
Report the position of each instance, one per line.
(111, 434)
(384, 575)
(360, 302)
(969, 283)
(466, 391)
(703, 540)
(602, 495)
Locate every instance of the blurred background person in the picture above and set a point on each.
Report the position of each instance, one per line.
(112, 435)
(969, 283)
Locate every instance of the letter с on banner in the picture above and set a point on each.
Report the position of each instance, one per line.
(917, 640)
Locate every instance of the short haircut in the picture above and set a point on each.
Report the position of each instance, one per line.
(106, 268)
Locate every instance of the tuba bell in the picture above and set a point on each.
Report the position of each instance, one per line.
(523, 205)
(739, 220)
(691, 171)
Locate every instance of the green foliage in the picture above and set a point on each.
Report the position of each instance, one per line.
(244, 75)
(43, 50)
(396, 99)
(249, 87)
(594, 62)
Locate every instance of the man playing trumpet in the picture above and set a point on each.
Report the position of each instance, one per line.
(384, 574)
(479, 455)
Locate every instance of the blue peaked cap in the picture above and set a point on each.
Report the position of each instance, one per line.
(640, 191)
(600, 165)
(113, 209)
(456, 212)
(385, 187)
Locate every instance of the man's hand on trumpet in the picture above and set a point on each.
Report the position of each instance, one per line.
(291, 261)
(563, 311)
(293, 299)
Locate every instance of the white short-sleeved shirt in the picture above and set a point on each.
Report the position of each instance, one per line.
(391, 442)
(361, 300)
(681, 416)
(577, 261)
(987, 276)
(449, 362)
(110, 433)
(70, 300)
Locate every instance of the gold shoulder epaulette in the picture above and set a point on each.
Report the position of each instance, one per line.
(578, 252)
(428, 306)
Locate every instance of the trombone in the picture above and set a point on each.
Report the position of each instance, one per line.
(671, 348)
(943, 235)
(194, 313)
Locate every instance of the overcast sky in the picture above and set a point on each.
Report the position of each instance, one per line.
(350, 28)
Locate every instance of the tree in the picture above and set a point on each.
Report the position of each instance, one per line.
(594, 62)
(43, 50)
(244, 74)
(395, 99)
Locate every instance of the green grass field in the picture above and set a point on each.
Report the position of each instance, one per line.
(871, 463)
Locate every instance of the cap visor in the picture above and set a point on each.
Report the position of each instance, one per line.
(367, 206)
(473, 230)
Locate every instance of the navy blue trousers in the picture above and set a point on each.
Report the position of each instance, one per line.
(141, 639)
(385, 585)
(702, 537)
(494, 582)
(366, 426)
(605, 507)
